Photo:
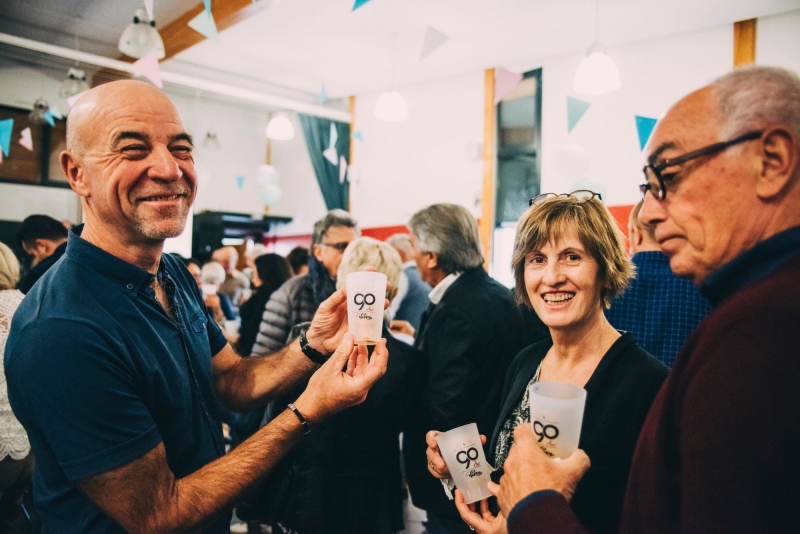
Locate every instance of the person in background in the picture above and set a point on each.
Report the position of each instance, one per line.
(659, 309)
(720, 448)
(16, 462)
(45, 239)
(345, 478)
(271, 271)
(213, 276)
(236, 283)
(569, 262)
(296, 300)
(412, 292)
(298, 259)
(468, 336)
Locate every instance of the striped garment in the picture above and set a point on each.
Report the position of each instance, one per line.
(289, 305)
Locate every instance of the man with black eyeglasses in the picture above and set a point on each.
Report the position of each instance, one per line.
(720, 448)
(296, 300)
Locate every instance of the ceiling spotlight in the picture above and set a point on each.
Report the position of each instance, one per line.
(280, 128)
(391, 107)
(141, 37)
(597, 74)
(74, 83)
(40, 107)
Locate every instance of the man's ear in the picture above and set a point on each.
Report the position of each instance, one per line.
(432, 261)
(778, 162)
(317, 250)
(74, 172)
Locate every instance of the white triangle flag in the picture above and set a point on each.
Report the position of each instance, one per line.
(331, 155)
(342, 169)
(433, 40)
(334, 136)
(204, 23)
(148, 5)
(26, 139)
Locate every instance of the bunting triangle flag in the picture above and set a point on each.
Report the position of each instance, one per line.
(204, 24)
(575, 110)
(323, 94)
(148, 5)
(342, 169)
(207, 4)
(49, 118)
(240, 182)
(358, 3)
(26, 139)
(147, 66)
(504, 82)
(55, 112)
(358, 136)
(331, 155)
(334, 136)
(6, 126)
(644, 126)
(433, 40)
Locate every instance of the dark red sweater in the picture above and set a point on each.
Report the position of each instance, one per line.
(720, 448)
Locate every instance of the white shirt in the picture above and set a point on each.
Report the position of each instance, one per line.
(438, 292)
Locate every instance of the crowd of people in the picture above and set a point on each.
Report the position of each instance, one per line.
(121, 363)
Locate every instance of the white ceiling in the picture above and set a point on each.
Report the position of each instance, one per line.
(299, 44)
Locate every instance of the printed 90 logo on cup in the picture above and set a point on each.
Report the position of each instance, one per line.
(362, 299)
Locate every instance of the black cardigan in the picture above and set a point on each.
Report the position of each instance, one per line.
(619, 394)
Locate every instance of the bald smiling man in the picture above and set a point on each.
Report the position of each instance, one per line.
(115, 368)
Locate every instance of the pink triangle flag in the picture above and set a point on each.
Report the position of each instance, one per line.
(147, 66)
(433, 40)
(504, 82)
(26, 140)
(148, 5)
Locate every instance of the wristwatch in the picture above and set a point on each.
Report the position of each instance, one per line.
(313, 354)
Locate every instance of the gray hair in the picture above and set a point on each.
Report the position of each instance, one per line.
(755, 97)
(366, 251)
(9, 268)
(451, 232)
(400, 242)
(335, 217)
(213, 273)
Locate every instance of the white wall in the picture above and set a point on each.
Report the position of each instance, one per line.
(433, 157)
(778, 40)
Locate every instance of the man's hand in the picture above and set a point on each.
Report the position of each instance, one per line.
(436, 465)
(330, 322)
(529, 469)
(331, 388)
(484, 522)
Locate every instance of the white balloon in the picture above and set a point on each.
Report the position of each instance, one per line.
(271, 194)
(571, 162)
(267, 174)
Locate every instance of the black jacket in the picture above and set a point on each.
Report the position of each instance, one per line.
(34, 273)
(618, 397)
(468, 341)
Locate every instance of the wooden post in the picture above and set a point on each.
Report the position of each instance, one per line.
(744, 42)
(351, 107)
(487, 198)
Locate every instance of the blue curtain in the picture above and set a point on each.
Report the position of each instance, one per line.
(317, 132)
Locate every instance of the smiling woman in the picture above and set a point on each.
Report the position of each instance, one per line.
(569, 262)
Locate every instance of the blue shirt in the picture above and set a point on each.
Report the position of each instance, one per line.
(99, 375)
(659, 309)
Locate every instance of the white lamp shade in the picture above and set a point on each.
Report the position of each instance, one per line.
(140, 37)
(74, 83)
(391, 107)
(280, 128)
(596, 75)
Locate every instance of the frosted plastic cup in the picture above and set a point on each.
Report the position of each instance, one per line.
(366, 293)
(557, 416)
(462, 452)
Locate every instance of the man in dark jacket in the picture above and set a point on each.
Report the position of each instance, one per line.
(720, 448)
(45, 239)
(468, 336)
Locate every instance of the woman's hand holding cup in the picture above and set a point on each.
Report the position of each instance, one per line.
(436, 465)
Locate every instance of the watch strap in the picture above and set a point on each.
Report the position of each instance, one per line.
(311, 353)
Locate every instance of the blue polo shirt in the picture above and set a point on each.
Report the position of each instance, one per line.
(99, 374)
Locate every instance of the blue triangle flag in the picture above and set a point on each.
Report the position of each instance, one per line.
(644, 125)
(358, 136)
(5, 134)
(323, 94)
(49, 118)
(358, 4)
(240, 181)
(575, 110)
(207, 4)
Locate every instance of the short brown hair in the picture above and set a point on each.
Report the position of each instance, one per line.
(557, 217)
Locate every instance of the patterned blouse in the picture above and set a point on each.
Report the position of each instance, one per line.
(520, 414)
